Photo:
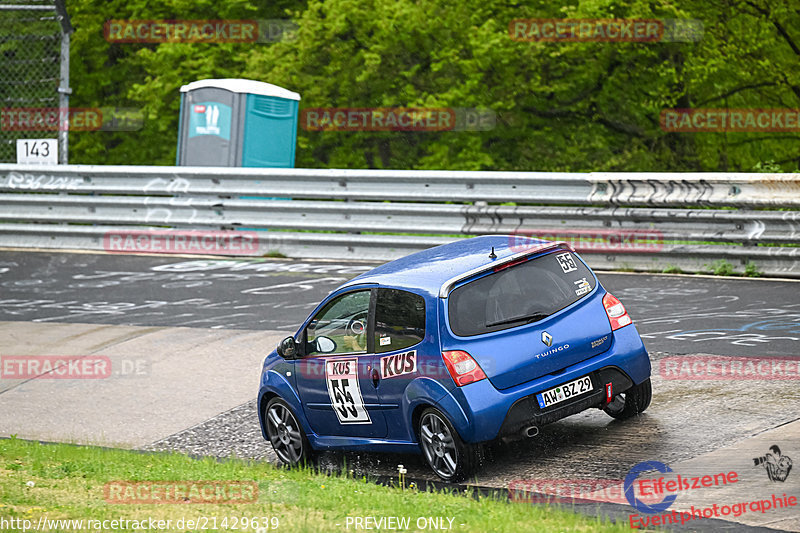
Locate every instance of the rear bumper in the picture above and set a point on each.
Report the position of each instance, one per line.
(526, 411)
(486, 413)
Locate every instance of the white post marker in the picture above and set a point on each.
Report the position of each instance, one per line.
(37, 151)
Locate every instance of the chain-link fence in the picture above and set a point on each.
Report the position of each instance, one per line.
(34, 72)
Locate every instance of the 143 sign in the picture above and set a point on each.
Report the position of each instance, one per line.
(37, 151)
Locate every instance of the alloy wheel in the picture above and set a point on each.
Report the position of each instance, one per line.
(284, 433)
(438, 445)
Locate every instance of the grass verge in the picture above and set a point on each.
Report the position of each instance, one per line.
(66, 482)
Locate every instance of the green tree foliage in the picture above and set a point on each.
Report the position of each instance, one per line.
(147, 76)
(566, 106)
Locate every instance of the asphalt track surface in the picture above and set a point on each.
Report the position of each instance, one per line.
(676, 315)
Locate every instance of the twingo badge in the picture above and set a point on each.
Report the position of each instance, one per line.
(398, 364)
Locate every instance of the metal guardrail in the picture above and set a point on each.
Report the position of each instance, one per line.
(679, 190)
(629, 221)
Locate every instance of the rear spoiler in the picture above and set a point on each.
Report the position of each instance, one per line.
(450, 283)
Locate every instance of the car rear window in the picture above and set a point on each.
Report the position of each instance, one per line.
(523, 293)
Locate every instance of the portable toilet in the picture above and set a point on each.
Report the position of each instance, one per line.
(237, 123)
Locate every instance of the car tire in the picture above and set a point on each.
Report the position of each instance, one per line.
(447, 454)
(285, 433)
(631, 402)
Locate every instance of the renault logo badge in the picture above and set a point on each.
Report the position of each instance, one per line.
(547, 339)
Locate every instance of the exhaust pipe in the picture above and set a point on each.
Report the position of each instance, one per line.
(530, 431)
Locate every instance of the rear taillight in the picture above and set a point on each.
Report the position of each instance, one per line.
(616, 312)
(462, 367)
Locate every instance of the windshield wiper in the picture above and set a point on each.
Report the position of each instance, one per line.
(526, 318)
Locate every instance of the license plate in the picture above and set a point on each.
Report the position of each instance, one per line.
(564, 392)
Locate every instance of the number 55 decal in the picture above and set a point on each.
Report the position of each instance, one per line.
(341, 376)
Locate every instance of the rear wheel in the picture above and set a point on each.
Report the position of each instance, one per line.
(631, 402)
(449, 457)
(285, 433)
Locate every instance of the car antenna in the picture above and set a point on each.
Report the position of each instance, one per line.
(492, 255)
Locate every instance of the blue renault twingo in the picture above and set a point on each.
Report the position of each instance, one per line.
(450, 348)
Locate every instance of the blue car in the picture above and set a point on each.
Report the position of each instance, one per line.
(448, 349)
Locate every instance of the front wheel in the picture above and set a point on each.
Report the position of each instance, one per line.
(285, 433)
(451, 458)
(631, 402)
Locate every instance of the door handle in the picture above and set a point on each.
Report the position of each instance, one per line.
(375, 378)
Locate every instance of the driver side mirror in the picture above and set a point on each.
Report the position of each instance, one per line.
(288, 348)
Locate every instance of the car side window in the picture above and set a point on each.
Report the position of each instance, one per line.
(340, 327)
(399, 320)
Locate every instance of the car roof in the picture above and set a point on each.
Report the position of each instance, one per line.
(430, 269)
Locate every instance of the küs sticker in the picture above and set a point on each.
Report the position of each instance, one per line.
(398, 364)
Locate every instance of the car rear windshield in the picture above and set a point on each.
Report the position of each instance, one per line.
(520, 294)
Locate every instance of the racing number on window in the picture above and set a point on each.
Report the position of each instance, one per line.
(342, 380)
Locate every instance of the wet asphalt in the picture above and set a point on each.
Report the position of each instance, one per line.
(675, 315)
